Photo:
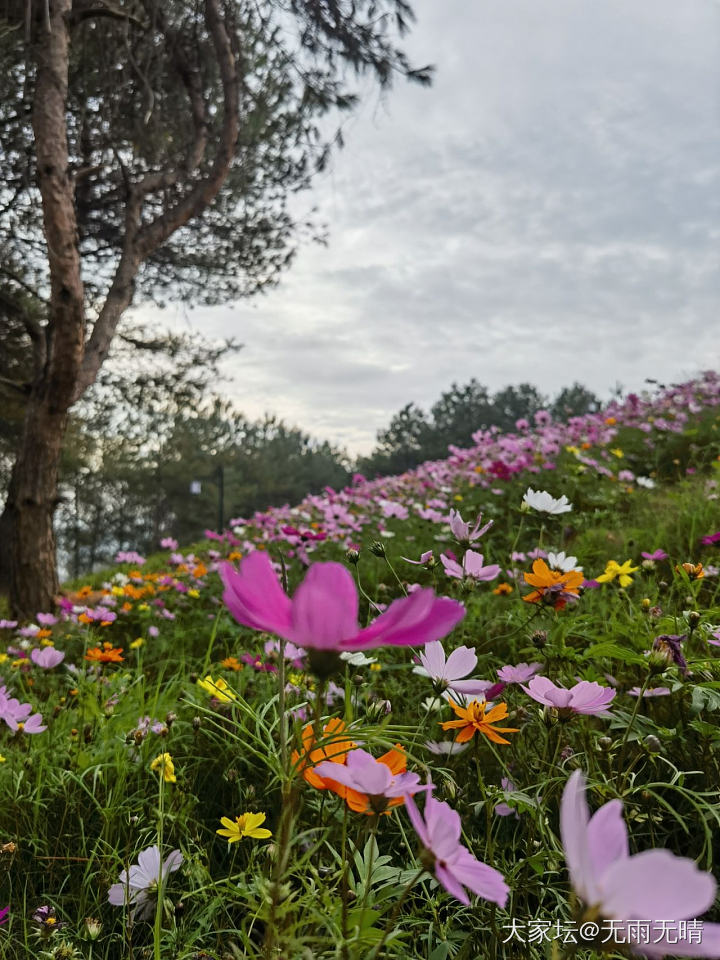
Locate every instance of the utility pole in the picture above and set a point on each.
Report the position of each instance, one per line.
(221, 497)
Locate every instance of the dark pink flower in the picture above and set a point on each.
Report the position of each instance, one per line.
(323, 613)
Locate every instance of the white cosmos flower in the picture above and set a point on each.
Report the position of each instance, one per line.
(447, 748)
(542, 501)
(559, 561)
(645, 482)
(357, 659)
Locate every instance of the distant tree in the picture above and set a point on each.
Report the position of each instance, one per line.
(149, 148)
(574, 401)
(412, 437)
(458, 413)
(516, 403)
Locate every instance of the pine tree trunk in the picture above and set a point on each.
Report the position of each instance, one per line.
(31, 503)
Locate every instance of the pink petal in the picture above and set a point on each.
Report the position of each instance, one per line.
(607, 837)
(414, 620)
(709, 946)
(656, 885)
(253, 594)
(460, 663)
(451, 884)
(574, 817)
(325, 607)
(417, 820)
(483, 880)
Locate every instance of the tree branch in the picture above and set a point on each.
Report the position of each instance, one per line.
(140, 242)
(87, 9)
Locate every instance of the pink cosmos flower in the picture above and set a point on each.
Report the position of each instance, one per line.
(654, 886)
(47, 619)
(47, 657)
(472, 567)
(461, 530)
(454, 866)
(425, 558)
(323, 613)
(650, 692)
(585, 697)
(364, 774)
(503, 809)
(17, 716)
(448, 672)
(520, 673)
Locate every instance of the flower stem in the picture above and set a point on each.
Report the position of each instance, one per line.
(157, 930)
(396, 912)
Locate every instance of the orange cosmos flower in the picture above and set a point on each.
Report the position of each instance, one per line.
(503, 588)
(105, 654)
(334, 746)
(232, 663)
(693, 570)
(473, 719)
(552, 586)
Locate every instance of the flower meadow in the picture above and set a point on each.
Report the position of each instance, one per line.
(469, 711)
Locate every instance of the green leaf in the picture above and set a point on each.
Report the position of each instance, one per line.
(613, 652)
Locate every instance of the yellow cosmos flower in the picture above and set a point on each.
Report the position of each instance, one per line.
(3, 759)
(193, 593)
(617, 452)
(3, 657)
(246, 825)
(622, 571)
(163, 765)
(137, 643)
(218, 689)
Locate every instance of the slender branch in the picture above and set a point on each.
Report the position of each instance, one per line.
(141, 241)
(85, 10)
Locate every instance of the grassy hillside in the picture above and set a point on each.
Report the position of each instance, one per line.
(155, 665)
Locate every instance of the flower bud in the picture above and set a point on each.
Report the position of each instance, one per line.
(92, 928)
(646, 603)
(377, 548)
(170, 719)
(605, 743)
(539, 639)
(693, 619)
(196, 723)
(652, 743)
(352, 556)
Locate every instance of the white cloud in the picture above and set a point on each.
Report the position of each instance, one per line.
(546, 212)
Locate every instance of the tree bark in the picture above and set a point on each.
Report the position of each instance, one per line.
(32, 496)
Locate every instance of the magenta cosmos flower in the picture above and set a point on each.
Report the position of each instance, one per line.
(654, 887)
(447, 673)
(585, 697)
(472, 567)
(454, 866)
(323, 613)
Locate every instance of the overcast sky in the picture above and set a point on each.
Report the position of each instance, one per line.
(547, 211)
